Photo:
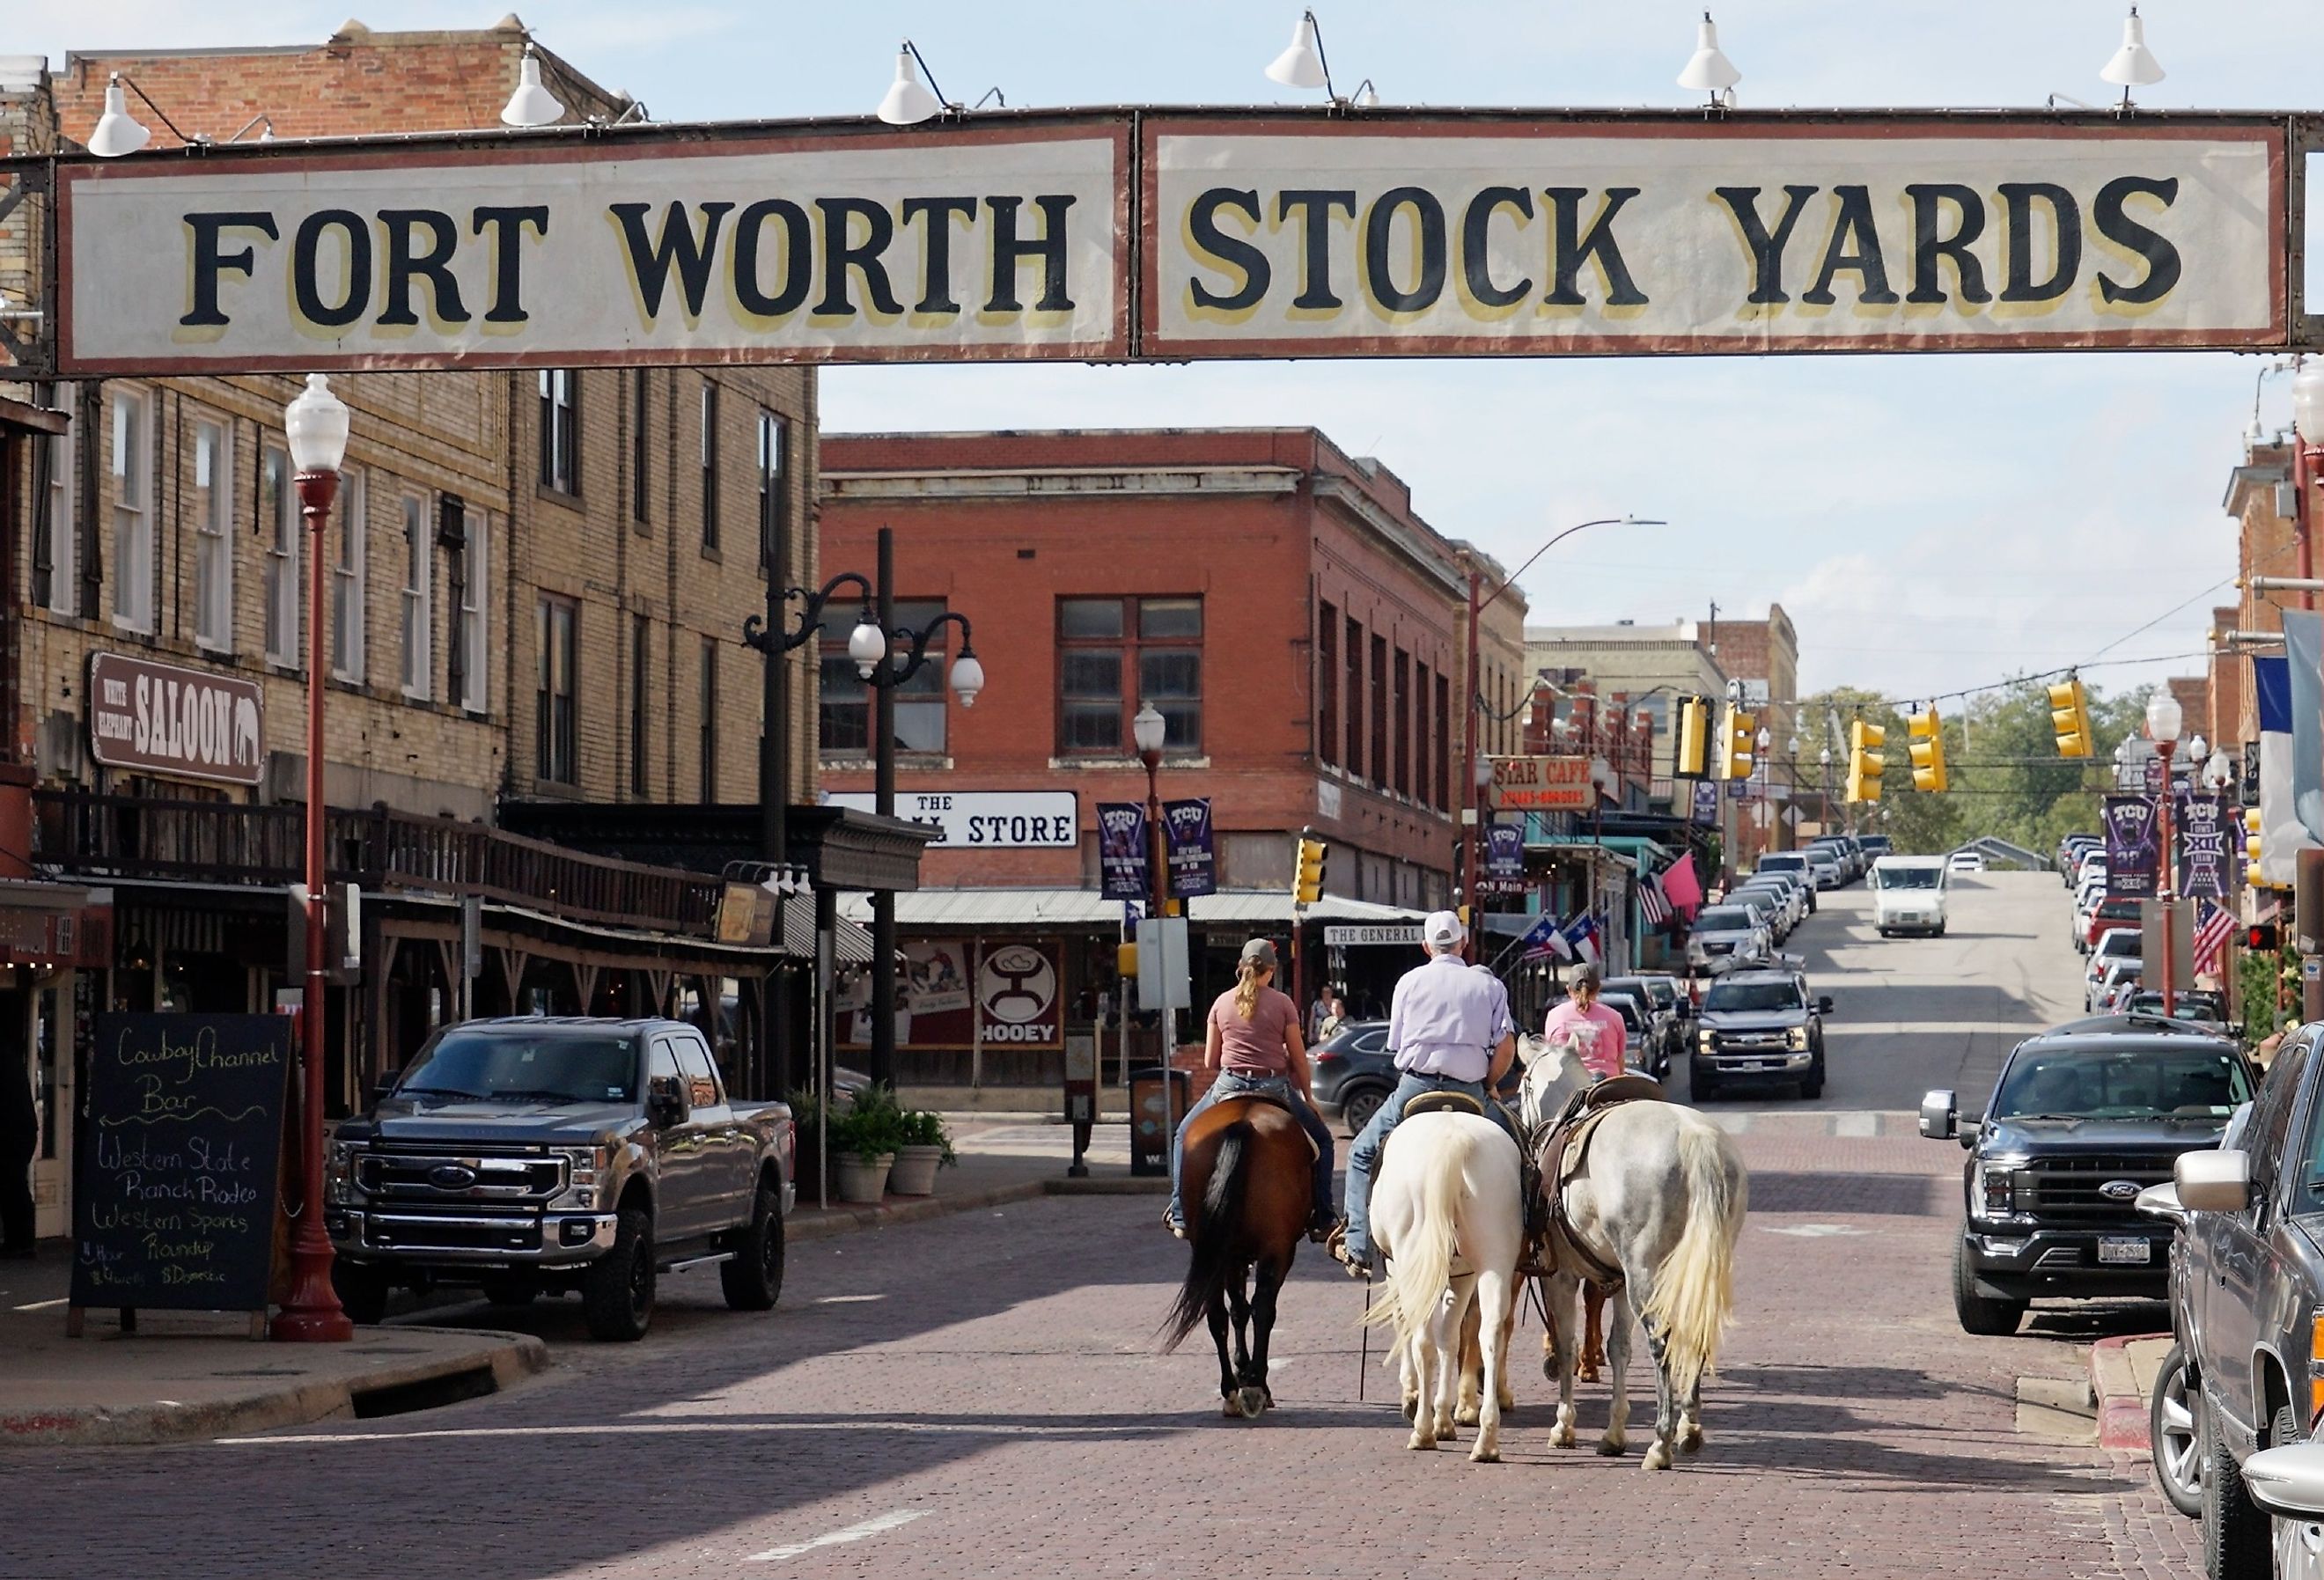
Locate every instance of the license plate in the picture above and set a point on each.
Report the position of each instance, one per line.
(2139, 1251)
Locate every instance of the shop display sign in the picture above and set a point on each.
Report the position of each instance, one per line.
(160, 719)
(1543, 784)
(986, 819)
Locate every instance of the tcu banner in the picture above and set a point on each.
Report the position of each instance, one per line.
(1193, 853)
(1258, 235)
(2206, 868)
(1121, 851)
(2131, 838)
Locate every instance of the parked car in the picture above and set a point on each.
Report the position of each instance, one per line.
(1825, 865)
(533, 1154)
(1759, 1027)
(2197, 1005)
(1875, 846)
(1639, 1037)
(2114, 913)
(1966, 861)
(1784, 913)
(2083, 1117)
(2113, 947)
(1659, 998)
(1839, 854)
(1908, 895)
(1724, 936)
(1765, 908)
(1791, 864)
(2247, 1305)
(1353, 1073)
(1797, 887)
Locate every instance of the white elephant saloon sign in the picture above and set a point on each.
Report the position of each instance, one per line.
(158, 719)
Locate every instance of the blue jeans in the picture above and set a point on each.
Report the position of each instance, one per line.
(1363, 1157)
(1230, 1084)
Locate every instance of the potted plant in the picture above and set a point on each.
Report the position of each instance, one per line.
(924, 1149)
(864, 1143)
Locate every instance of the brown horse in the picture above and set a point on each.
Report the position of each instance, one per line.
(1247, 1170)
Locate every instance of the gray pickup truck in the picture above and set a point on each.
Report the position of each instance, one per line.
(537, 1154)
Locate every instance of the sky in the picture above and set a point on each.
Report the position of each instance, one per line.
(1929, 522)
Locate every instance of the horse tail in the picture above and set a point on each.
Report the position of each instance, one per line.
(1421, 1271)
(1694, 1294)
(1218, 1239)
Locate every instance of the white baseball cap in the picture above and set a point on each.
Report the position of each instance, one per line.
(1442, 930)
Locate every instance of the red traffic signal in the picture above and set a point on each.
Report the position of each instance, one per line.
(2260, 936)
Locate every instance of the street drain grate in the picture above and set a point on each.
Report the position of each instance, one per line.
(261, 1372)
(426, 1394)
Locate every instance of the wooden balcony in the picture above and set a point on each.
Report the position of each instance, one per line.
(82, 835)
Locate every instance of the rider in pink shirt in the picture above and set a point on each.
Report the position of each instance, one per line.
(1597, 1030)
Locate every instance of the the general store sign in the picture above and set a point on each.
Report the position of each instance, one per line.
(986, 819)
(1352, 935)
(1263, 234)
(1543, 784)
(158, 719)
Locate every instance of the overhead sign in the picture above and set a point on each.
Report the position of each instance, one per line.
(986, 819)
(961, 244)
(1422, 232)
(1543, 784)
(1342, 937)
(162, 719)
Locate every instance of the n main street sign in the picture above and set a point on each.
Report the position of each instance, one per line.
(1166, 235)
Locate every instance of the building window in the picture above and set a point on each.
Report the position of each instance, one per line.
(710, 465)
(278, 524)
(640, 668)
(56, 558)
(709, 764)
(1402, 704)
(348, 579)
(1351, 697)
(1114, 654)
(418, 597)
(774, 493)
(557, 751)
(1327, 685)
(213, 505)
(1421, 737)
(1379, 712)
(843, 716)
(561, 429)
(640, 444)
(1444, 741)
(475, 542)
(133, 509)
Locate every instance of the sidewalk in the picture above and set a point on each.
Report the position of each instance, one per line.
(2122, 1380)
(197, 1374)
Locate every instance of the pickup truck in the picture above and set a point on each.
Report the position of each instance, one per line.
(1758, 1024)
(535, 1153)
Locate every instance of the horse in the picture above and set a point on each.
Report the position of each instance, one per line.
(1246, 1169)
(1661, 1195)
(1447, 1215)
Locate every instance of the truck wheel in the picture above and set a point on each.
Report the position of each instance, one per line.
(2236, 1532)
(2170, 1427)
(617, 1292)
(362, 1291)
(1701, 1084)
(1981, 1313)
(510, 1291)
(754, 1280)
(1812, 1087)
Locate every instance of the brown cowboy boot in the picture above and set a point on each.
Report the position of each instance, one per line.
(1593, 1333)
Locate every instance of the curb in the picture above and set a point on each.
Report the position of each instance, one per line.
(848, 1220)
(511, 1357)
(2121, 1406)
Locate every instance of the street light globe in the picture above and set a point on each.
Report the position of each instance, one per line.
(967, 679)
(2163, 717)
(2308, 401)
(1148, 728)
(2199, 749)
(1484, 772)
(1764, 740)
(867, 645)
(117, 131)
(317, 424)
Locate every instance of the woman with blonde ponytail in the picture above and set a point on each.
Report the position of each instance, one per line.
(1253, 1041)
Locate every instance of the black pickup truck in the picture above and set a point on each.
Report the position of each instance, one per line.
(536, 1154)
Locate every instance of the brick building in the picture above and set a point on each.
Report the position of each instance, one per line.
(1294, 618)
(537, 583)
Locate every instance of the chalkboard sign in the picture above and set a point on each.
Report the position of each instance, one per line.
(174, 1204)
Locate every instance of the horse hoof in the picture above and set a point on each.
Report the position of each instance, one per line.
(1691, 1440)
(1585, 1374)
(1251, 1402)
(1610, 1447)
(1480, 1455)
(1467, 1415)
(1411, 1410)
(1228, 1410)
(1657, 1458)
(1418, 1441)
(1561, 1439)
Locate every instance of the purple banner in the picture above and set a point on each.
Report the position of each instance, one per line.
(1706, 801)
(1121, 851)
(2131, 834)
(2206, 864)
(1504, 858)
(1193, 862)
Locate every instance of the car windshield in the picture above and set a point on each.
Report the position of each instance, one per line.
(2185, 1009)
(538, 1067)
(1908, 877)
(1723, 919)
(2203, 1082)
(1782, 864)
(1751, 996)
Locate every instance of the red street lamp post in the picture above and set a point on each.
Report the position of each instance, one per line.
(317, 425)
(2163, 717)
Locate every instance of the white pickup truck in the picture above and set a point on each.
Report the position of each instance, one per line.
(1908, 895)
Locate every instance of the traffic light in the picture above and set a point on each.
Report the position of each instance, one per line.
(2250, 845)
(1307, 882)
(1927, 750)
(2260, 936)
(1865, 762)
(1735, 744)
(1693, 751)
(2069, 717)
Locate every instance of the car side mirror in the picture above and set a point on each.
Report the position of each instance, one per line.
(665, 1100)
(1823, 1005)
(2213, 1181)
(2161, 1201)
(1939, 1116)
(384, 1087)
(2288, 1481)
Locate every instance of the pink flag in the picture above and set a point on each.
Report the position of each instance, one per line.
(1680, 887)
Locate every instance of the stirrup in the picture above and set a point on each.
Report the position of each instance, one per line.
(1169, 1222)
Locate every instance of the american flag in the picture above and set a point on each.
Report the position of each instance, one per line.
(1652, 905)
(2213, 924)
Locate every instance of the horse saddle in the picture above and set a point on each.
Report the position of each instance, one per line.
(1272, 1101)
(1443, 1103)
(1560, 1158)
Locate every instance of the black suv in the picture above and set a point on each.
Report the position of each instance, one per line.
(2084, 1117)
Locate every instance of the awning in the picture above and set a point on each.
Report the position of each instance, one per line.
(850, 944)
(1086, 908)
(1634, 849)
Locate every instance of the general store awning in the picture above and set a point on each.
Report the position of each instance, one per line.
(1086, 909)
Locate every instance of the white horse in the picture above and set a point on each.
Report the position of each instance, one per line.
(1447, 1215)
(1662, 1195)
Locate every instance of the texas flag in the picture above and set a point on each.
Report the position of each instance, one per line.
(1581, 937)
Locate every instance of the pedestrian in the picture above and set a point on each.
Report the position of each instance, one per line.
(19, 1137)
(1449, 1031)
(1317, 1012)
(1335, 1014)
(1597, 1031)
(1253, 1041)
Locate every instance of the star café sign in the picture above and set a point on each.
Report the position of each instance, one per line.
(1166, 235)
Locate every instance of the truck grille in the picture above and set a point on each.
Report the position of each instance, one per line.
(416, 1231)
(464, 1174)
(2067, 1189)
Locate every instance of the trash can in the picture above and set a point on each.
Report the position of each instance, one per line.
(1151, 1129)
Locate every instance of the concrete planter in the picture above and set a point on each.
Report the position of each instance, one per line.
(863, 1181)
(915, 1172)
